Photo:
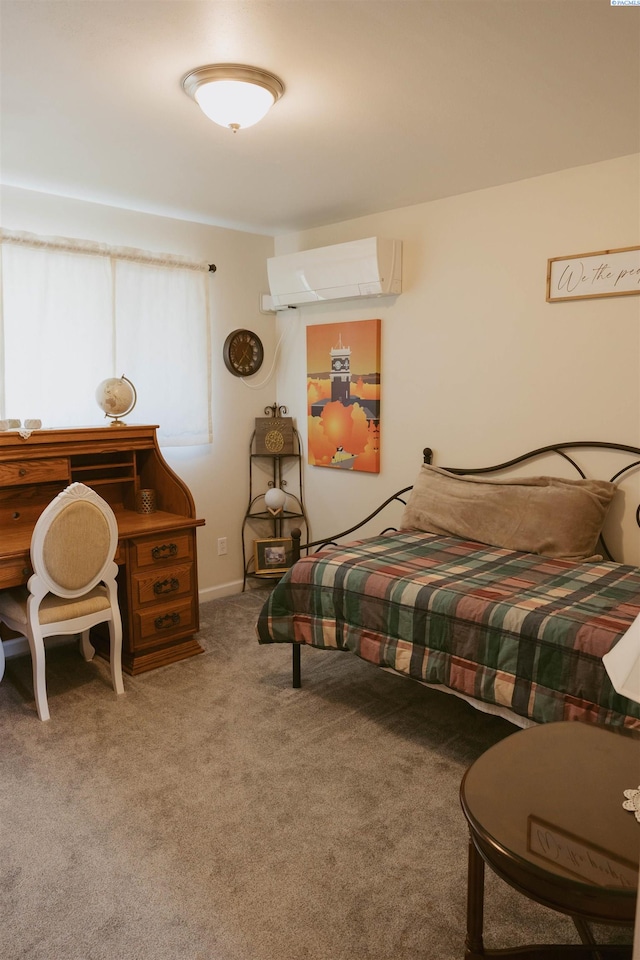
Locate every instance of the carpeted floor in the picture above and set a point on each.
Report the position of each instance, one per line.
(214, 813)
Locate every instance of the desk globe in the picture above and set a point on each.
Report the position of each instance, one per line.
(117, 397)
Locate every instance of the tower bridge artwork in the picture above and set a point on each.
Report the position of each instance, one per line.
(343, 395)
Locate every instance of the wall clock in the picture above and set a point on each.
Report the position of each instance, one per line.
(243, 353)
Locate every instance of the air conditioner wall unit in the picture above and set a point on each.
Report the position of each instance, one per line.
(343, 271)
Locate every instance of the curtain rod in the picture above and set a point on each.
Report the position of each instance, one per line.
(91, 248)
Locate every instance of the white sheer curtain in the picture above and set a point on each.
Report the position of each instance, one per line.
(58, 340)
(75, 313)
(162, 350)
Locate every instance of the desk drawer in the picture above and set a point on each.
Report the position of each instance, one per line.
(161, 623)
(14, 472)
(153, 551)
(13, 573)
(165, 584)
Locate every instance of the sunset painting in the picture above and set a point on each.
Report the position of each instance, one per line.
(343, 395)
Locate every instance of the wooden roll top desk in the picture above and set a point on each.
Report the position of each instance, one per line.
(157, 580)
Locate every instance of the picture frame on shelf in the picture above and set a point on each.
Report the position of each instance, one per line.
(272, 556)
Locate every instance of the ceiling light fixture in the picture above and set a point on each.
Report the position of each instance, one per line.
(232, 94)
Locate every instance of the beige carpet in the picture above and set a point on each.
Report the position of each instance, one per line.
(214, 813)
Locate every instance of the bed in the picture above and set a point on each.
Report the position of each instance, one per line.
(499, 589)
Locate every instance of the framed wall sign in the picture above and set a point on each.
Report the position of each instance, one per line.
(579, 857)
(605, 273)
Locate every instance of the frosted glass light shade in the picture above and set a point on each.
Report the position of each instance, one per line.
(233, 95)
(234, 103)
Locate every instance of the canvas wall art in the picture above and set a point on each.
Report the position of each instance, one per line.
(343, 395)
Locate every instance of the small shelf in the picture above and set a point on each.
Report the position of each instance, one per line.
(273, 456)
(110, 468)
(94, 481)
(88, 461)
(265, 515)
(266, 471)
(92, 464)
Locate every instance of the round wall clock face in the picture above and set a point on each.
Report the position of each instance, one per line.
(243, 353)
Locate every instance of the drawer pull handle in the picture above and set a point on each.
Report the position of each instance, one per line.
(169, 620)
(26, 571)
(22, 472)
(166, 586)
(166, 550)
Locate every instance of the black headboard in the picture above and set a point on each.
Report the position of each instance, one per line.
(559, 449)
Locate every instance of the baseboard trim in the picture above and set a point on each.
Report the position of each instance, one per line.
(222, 590)
(19, 646)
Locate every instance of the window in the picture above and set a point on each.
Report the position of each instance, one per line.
(75, 313)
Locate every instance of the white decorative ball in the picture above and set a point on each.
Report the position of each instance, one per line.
(275, 498)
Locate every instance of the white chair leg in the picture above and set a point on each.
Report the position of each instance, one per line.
(36, 645)
(115, 654)
(86, 647)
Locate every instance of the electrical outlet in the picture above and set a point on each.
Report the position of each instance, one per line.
(222, 546)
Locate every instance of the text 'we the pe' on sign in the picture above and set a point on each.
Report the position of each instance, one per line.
(606, 273)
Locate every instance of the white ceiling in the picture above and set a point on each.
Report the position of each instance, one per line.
(386, 103)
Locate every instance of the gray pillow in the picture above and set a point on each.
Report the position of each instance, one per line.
(546, 515)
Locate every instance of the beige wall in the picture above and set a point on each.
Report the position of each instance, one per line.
(475, 363)
(217, 474)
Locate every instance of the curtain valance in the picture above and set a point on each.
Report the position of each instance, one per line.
(91, 248)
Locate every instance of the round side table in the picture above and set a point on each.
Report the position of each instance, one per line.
(544, 809)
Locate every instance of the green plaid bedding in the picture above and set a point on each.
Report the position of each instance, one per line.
(513, 629)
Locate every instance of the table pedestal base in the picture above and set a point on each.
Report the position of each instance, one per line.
(475, 949)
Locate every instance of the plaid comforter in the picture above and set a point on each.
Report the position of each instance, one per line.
(514, 629)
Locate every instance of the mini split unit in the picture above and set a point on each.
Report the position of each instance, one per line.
(344, 271)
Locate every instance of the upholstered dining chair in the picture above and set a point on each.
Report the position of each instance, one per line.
(73, 586)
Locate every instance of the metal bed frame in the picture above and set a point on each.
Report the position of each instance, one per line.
(554, 448)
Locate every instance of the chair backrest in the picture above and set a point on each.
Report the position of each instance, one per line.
(74, 541)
